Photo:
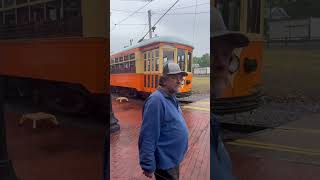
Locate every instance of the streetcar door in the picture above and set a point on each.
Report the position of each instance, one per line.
(147, 75)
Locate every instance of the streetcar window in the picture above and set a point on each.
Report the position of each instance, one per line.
(37, 13)
(157, 64)
(8, 3)
(117, 68)
(116, 60)
(126, 67)
(120, 59)
(145, 81)
(148, 64)
(123, 69)
(132, 56)
(120, 68)
(125, 57)
(156, 79)
(152, 64)
(145, 61)
(165, 59)
(71, 8)
(132, 66)
(157, 53)
(40, 12)
(181, 59)
(23, 15)
(9, 17)
(148, 80)
(145, 65)
(1, 18)
(189, 62)
(168, 55)
(52, 11)
(253, 21)
(152, 81)
(230, 11)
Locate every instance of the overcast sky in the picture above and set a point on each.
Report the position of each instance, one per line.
(180, 21)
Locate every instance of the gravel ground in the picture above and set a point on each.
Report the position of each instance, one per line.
(273, 113)
(194, 97)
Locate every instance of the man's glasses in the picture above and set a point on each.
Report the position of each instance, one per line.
(176, 77)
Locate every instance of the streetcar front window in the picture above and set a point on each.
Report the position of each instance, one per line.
(157, 59)
(9, 17)
(8, 3)
(168, 55)
(181, 59)
(189, 61)
(230, 11)
(253, 21)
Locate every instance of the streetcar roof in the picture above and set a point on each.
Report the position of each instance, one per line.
(158, 39)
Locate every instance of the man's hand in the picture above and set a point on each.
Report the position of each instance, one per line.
(148, 174)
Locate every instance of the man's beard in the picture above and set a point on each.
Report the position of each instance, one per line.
(175, 90)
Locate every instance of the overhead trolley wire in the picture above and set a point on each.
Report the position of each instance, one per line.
(159, 20)
(130, 15)
(158, 11)
(194, 21)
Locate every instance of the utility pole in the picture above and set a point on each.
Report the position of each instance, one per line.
(6, 167)
(149, 18)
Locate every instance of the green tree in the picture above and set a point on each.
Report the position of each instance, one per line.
(203, 61)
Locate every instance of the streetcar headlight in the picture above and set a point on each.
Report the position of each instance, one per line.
(250, 65)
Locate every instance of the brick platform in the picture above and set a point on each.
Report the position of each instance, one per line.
(124, 144)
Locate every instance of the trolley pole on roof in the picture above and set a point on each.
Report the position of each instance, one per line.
(6, 167)
(150, 29)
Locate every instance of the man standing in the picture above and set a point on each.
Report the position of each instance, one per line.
(223, 43)
(163, 139)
